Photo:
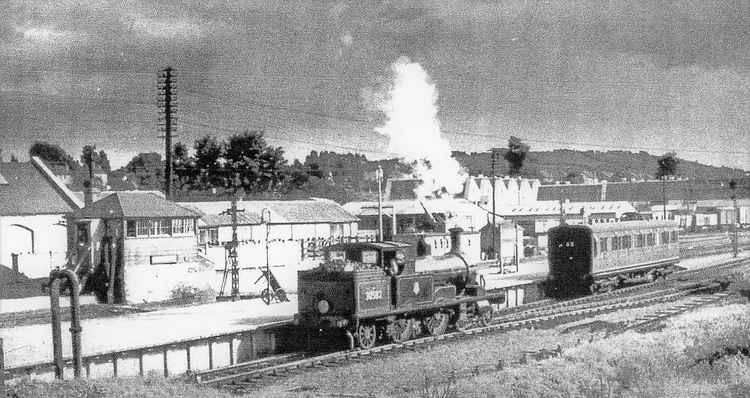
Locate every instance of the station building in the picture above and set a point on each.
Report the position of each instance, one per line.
(297, 231)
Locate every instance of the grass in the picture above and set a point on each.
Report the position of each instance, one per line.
(696, 354)
(155, 387)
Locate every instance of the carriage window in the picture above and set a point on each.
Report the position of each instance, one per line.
(369, 256)
(664, 238)
(650, 239)
(639, 240)
(603, 244)
(674, 236)
(594, 246)
(337, 255)
(626, 242)
(616, 243)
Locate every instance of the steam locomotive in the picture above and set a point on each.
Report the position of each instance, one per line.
(383, 291)
(390, 291)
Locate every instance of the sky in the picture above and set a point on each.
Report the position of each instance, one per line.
(631, 75)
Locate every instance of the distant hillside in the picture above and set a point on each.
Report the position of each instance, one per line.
(572, 165)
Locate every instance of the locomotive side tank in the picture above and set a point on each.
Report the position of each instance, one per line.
(589, 258)
(372, 292)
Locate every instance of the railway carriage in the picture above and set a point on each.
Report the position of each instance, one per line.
(374, 291)
(589, 258)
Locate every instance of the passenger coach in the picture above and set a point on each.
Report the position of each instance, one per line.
(590, 258)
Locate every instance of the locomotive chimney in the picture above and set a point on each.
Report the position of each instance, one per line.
(456, 239)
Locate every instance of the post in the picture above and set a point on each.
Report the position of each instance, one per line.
(735, 216)
(56, 277)
(664, 195)
(395, 224)
(2, 367)
(266, 221)
(736, 221)
(380, 205)
(494, 221)
(168, 111)
(54, 299)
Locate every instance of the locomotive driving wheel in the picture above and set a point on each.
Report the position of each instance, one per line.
(400, 330)
(485, 318)
(367, 335)
(437, 323)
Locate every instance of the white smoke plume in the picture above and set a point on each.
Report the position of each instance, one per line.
(413, 129)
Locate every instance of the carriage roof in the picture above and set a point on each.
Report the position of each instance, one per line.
(620, 226)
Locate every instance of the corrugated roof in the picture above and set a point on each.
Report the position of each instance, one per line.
(646, 191)
(627, 225)
(134, 204)
(574, 193)
(284, 212)
(27, 191)
(219, 220)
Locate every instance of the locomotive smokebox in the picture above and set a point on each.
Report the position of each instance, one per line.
(456, 234)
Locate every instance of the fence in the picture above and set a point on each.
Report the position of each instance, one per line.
(168, 359)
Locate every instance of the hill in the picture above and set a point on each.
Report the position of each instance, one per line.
(572, 165)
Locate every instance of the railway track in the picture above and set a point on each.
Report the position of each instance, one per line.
(251, 375)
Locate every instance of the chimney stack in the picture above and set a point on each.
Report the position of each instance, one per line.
(456, 233)
(88, 196)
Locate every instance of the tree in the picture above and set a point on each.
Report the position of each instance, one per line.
(52, 153)
(253, 164)
(516, 155)
(148, 170)
(667, 166)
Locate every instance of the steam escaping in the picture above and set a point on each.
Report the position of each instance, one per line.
(414, 133)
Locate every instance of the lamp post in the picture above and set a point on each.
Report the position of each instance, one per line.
(265, 218)
(380, 204)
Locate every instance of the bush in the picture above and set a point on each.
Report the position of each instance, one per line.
(187, 293)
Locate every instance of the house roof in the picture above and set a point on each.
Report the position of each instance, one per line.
(282, 211)
(27, 190)
(404, 206)
(646, 191)
(574, 193)
(552, 207)
(220, 220)
(134, 204)
(401, 189)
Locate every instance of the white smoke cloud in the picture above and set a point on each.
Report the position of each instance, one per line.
(413, 129)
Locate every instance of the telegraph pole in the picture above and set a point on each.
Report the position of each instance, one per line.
(166, 88)
(735, 216)
(232, 249)
(495, 253)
